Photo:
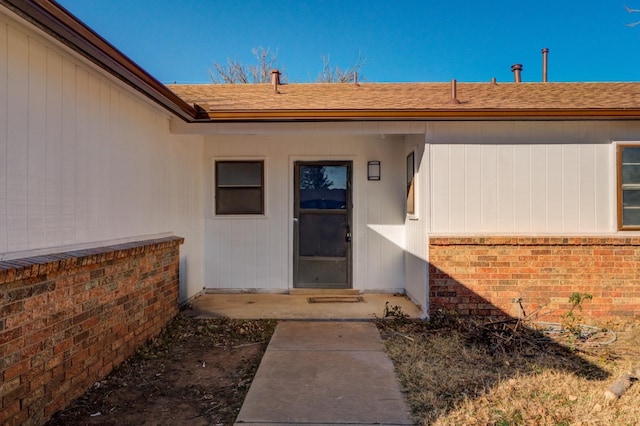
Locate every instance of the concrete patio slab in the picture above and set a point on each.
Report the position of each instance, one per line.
(325, 373)
(297, 306)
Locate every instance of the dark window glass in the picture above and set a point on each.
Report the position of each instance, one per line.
(411, 198)
(323, 187)
(239, 187)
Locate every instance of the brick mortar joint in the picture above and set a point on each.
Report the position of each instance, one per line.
(79, 258)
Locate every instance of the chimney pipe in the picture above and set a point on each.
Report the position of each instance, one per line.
(517, 70)
(275, 79)
(545, 54)
(454, 92)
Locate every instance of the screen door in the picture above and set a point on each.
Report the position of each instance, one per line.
(322, 224)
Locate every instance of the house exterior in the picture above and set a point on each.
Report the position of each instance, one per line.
(121, 197)
(488, 198)
(492, 198)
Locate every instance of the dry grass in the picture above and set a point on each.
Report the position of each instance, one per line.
(455, 373)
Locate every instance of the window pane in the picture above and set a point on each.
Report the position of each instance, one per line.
(631, 155)
(323, 187)
(410, 200)
(410, 185)
(239, 201)
(233, 173)
(323, 177)
(630, 174)
(410, 171)
(631, 217)
(631, 198)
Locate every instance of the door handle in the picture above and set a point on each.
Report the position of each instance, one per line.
(347, 236)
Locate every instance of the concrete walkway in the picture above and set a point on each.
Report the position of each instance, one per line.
(325, 373)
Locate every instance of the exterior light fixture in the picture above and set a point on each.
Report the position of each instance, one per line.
(373, 170)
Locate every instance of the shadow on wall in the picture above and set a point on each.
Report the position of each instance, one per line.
(516, 276)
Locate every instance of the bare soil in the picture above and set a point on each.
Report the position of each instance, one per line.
(197, 372)
(455, 371)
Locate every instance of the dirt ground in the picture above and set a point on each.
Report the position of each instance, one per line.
(197, 372)
(454, 371)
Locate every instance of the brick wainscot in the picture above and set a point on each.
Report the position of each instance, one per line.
(67, 319)
(494, 275)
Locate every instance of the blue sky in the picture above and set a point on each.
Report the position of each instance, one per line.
(401, 40)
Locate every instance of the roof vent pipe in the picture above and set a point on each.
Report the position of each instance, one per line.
(275, 79)
(517, 72)
(545, 54)
(493, 81)
(454, 92)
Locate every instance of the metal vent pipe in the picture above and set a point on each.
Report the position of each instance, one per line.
(275, 79)
(454, 92)
(545, 54)
(517, 72)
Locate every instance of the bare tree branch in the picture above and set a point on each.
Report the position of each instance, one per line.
(331, 74)
(633, 24)
(234, 72)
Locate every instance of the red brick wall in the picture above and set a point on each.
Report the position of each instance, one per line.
(67, 319)
(487, 275)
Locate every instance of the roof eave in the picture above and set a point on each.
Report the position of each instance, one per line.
(407, 115)
(60, 24)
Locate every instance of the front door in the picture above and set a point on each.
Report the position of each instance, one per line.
(322, 224)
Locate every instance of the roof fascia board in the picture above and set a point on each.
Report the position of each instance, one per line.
(60, 24)
(387, 115)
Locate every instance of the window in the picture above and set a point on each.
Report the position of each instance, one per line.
(411, 196)
(629, 187)
(239, 187)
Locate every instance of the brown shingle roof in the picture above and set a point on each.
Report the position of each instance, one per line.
(413, 100)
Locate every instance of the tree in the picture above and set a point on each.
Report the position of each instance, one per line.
(314, 178)
(633, 24)
(234, 72)
(331, 74)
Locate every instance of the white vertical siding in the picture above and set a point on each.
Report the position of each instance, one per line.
(53, 151)
(524, 177)
(416, 244)
(4, 125)
(489, 180)
(256, 252)
(505, 187)
(36, 143)
(68, 142)
(17, 139)
(84, 160)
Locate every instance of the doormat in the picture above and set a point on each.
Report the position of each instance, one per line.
(336, 299)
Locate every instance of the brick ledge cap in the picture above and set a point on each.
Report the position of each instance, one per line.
(40, 265)
(609, 240)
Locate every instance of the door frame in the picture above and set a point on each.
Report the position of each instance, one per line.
(348, 161)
